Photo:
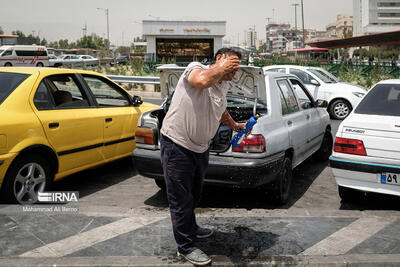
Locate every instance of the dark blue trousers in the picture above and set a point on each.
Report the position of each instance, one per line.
(184, 172)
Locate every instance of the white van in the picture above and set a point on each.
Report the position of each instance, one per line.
(24, 55)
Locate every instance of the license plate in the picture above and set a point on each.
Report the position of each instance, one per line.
(390, 178)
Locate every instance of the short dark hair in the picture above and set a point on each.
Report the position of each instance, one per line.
(227, 50)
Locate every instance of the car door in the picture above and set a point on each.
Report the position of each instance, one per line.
(119, 116)
(72, 124)
(295, 121)
(306, 78)
(315, 129)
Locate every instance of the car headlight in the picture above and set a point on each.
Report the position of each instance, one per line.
(358, 94)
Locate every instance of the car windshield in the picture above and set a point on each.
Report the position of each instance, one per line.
(8, 83)
(383, 99)
(325, 76)
(1, 51)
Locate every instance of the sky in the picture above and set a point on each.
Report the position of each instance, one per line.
(56, 19)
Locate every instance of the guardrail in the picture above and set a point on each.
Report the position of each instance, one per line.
(134, 79)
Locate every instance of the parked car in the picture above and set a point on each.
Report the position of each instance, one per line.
(121, 60)
(56, 122)
(54, 61)
(342, 97)
(70, 60)
(23, 55)
(291, 129)
(366, 155)
(89, 60)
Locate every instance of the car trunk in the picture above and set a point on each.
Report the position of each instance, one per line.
(246, 97)
(380, 134)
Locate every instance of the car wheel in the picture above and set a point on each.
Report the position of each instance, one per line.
(282, 185)
(161, 184)
(25, 178)
(349, 194)
(8, 64)
(340, 109)
(40, 64)
(325, 150)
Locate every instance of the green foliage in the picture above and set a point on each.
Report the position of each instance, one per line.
(1, 30)
(123, 50)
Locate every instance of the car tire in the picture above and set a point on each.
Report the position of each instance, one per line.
(325, 150)
(40, 64)
(18, 179)
(349, 195)
(339, 109)
(282, 185)
(161, 184)
(8, 64)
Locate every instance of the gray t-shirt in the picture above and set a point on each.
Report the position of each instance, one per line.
(194, 115)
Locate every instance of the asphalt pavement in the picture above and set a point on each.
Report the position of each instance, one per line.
(122, 219)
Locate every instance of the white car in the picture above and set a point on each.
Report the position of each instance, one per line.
(54, 61)
(291, 128)
(70, 60)
(342, 97)
(89, 60)
(366, 154)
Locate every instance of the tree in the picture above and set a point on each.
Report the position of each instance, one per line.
(123, 50)
(1, 30)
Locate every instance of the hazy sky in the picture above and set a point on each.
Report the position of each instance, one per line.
(56, 19)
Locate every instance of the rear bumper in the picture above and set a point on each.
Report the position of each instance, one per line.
(363, 176)
(225, 171)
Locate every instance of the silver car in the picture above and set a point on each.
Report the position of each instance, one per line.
(292, 127)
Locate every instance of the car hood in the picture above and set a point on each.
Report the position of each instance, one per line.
(249, 82)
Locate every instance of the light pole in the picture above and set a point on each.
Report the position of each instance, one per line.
(108, 24)
(295, 15)
(302, 18)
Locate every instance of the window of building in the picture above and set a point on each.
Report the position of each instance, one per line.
(389, 4)
(388, 15)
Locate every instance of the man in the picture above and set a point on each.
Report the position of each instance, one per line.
(196, 111)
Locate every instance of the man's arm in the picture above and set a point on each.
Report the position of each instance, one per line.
(205, 78)
(226, 119)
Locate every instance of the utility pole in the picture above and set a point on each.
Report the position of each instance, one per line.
(84, 29)
(302, 18)
(108, 25)
(295, 15)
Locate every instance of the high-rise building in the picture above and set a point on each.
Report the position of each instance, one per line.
(375, 16)
(278, 36)
(341, 28)
(251, 38)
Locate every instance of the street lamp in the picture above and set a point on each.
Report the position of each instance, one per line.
(295, 15)
(302, 18)
(108, 25)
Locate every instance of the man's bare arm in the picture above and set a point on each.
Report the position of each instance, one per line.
(226, 119)
(204, 78)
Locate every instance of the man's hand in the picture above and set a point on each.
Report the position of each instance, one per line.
(228, 64)
(241, 126)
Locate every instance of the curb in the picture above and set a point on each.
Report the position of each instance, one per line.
(218, 260)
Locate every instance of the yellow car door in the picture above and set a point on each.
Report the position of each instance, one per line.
(71, 121)
(119, 116)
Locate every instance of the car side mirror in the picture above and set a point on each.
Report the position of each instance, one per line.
(137, 100)
(321, 103)
(315, 82)
(306, 105)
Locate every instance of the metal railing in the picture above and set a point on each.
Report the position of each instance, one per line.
(134, 79)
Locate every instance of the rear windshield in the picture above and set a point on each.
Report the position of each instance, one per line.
(384, 99)
(8, 82)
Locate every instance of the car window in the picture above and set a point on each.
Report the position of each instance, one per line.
(383, 99)
(105, 93)
(305, 99)
(281, 70)
(8, 82)
(66, 92)
(43, 99)
(302, 75)
(324, 76)
(7, 53)
(288, 96)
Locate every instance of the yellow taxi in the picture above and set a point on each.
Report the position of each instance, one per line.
(55, 122)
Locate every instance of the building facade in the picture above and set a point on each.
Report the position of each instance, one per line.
(341, 28)
(375, 16)
(8, 39)
(280, 36)
(251, 38)
(183, 41)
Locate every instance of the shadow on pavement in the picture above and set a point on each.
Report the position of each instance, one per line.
(261, 198)
(90, 181)
(373, 201)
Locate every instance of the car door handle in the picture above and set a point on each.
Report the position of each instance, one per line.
(289, 123)
(53, 124)
(108, 119)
